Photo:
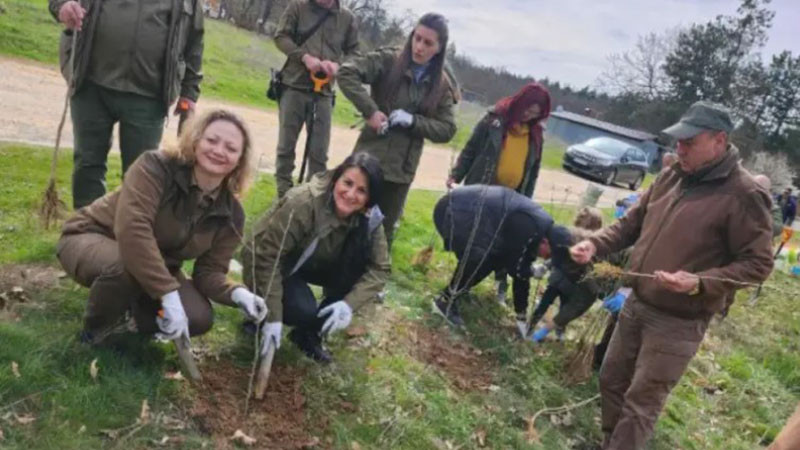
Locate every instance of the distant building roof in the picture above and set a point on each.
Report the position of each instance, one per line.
(606, 126)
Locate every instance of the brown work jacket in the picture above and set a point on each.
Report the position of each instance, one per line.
(160, 218)
(714, 223)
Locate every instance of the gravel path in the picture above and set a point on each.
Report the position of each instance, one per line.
(32, 95)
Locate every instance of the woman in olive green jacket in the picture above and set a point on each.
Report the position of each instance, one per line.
(328, 233)
(173, 206)
(410, 99)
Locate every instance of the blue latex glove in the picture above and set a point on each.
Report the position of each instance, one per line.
(613, 303)
(540, 334)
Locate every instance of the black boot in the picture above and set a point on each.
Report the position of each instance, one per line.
(448, 309)
(311, 344)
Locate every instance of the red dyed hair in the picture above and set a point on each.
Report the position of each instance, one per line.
(511, 109)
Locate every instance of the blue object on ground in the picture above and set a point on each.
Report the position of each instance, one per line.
(540, 334)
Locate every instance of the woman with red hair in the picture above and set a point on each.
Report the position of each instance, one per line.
(506, 145)
(506, 149)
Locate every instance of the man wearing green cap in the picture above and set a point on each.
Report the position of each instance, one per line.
(704, 220)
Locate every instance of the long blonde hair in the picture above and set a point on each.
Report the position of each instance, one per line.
(238, 181)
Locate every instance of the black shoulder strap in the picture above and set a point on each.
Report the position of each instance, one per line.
(305, 36)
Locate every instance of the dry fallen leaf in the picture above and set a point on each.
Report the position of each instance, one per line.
(82, 429)
(356, 331)
(355, 446)
(480, 436)
(171, 423)
(93, 369)
(531, 435)
(15, 369)
(24, 419)
(144, 415)
(111, 434)
(176, 376)
(311, 443)
(239, 436)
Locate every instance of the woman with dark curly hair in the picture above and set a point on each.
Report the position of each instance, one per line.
(328, 233)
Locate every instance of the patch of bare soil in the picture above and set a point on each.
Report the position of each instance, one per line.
(18, 282)
(30, 277)
(277, 422)
(465, 366)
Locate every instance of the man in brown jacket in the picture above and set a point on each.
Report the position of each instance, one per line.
(702, 222)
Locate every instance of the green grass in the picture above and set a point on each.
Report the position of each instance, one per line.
(400, 400)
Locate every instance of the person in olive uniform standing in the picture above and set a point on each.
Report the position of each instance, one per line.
(316, 36)
(412, 87)
(133, 59)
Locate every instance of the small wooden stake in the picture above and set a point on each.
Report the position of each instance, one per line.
(262, 378)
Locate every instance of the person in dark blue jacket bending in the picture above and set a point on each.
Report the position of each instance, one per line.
(492, 228)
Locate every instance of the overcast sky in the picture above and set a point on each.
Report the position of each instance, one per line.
(568, 40)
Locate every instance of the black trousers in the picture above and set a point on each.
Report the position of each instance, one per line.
(300, 307)
(475, 268)
(474, 264)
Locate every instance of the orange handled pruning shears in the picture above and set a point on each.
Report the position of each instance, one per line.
(320, 79)
(183, 105)
(185, 113)
(786, 234)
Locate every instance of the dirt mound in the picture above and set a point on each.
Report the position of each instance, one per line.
(277, 422)
(18, 283)
(30, 277)
(465, 366)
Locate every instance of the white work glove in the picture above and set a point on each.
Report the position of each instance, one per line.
(340, 316)
(252, 305)
(270, 335)
(401, 118)
(538, 271)
(173, 322)
(384, 128)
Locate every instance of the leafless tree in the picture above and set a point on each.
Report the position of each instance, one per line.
(775, 166)
(639, 70)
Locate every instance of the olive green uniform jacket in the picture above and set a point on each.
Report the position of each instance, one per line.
(182, 66)
(399, 151)
(335, 40)
(302, 230)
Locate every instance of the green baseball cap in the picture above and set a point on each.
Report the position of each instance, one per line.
(701, 116)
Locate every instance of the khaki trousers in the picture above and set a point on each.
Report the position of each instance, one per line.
(293, 113)
(647, 355)
(789, 437)
(93, 261)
